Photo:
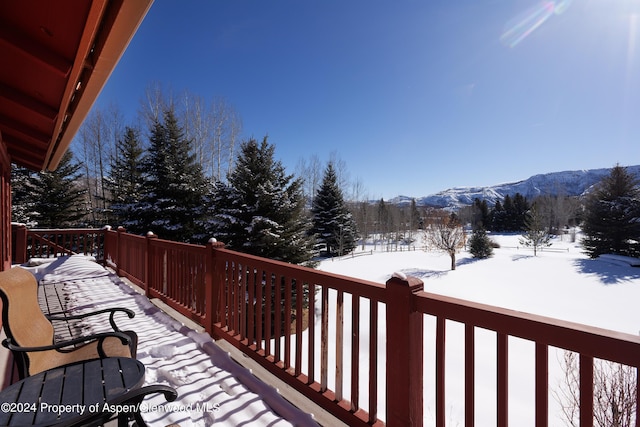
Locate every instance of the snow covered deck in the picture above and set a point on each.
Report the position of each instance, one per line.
(211, 386)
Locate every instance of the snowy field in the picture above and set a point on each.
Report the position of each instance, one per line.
(561, 282)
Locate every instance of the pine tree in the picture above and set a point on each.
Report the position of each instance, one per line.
(261, 209)
(480, 214)
(536, 234)
(383, 220)
(124, 181)
(57, 199)
(480, 246)
(520, 212)
(333, 223)
(415, 221)
(22, 201)
(612, 216)
(173, 203)
(497, 217)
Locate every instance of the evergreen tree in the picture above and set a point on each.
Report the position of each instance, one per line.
(57, 199)
(480, 246)
(536, 234)
(124, 181)
(173, 202)
(520, 212)
(22, 200)
(497, 217)
(261, 209)
(414, 222)
(612, 216)
(510, 215)
(383, 217)
(333, 223)
(414, 216)
(480, 214)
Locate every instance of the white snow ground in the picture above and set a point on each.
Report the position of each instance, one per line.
(212, 388)
(561, 282)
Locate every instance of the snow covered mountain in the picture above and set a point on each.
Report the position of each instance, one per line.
(570, 183)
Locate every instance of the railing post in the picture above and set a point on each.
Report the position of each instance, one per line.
(20, 250)
(211, 286)
(102, 242)
(120, 231)
(147, 263)
(404, 353)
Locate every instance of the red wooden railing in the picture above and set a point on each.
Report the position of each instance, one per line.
(268, 309)
(588, 342)
(130, 251)
(48, 243)
(309, 328)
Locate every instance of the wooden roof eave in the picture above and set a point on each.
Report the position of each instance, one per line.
(109, 29)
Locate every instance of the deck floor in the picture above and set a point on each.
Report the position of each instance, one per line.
(212, 388)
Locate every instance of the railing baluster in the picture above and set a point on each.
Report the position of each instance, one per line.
(312, 332)
(299, 318)
(230, 295)
(637, 397)
(503, 380)
(542, 385)
(251, 303)
(469, 375)
(324, 340)
(440, 371)
(586, 390)
(373, 361)
(355, 352)
(339, 344)
(287, 322)
(260, 317)
(237, 298)
(268, 310)
(277, 329)
(244, 301)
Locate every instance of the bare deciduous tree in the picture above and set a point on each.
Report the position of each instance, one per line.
(311, 171)
(93, 147)
(156, 100)
(445, 233)
(614, 391)
(214, 128)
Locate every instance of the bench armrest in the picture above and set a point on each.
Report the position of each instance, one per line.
(111, 311)
(124, 338)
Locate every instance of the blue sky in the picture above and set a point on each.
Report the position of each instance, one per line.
(415, 96)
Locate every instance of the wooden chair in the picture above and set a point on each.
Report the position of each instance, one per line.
(30, 334)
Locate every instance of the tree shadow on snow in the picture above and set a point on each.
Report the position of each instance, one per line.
(422, 273)
(608, 273)
(466, 260)
(521, 257)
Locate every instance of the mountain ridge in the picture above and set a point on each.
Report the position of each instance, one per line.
(570, 183)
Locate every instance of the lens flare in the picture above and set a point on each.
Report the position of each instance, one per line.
(522, 26)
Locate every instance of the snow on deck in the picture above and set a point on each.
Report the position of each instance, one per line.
(211, 387)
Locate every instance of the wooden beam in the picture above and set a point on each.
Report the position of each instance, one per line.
(19, 98)
(28, 47)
